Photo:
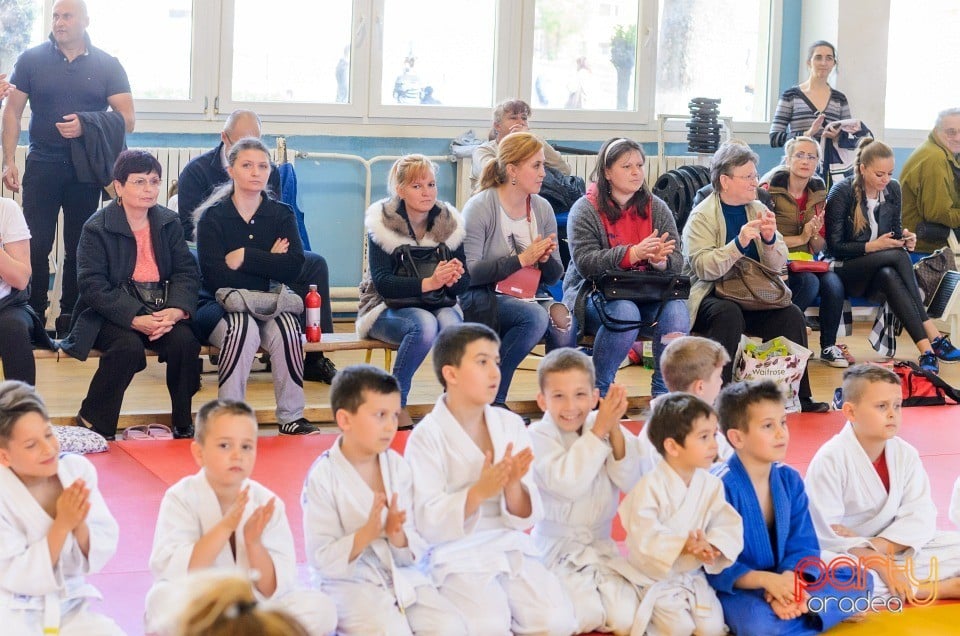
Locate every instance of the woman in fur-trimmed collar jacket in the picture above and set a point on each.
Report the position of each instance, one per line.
(414, 329)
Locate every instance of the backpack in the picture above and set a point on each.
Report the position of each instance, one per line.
(561, 191)
(923, 388)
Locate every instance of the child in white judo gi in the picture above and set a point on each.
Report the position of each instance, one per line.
(474, 495)
(870, 495)
(583, 460)
(221, 518)
(358, 519)
(55, 527)
(679, 524)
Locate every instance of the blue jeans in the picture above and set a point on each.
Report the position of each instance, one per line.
(806, 286)
(611, 347)
(522, 325)
(414, 330)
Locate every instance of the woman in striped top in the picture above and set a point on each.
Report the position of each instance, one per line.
(811, 107)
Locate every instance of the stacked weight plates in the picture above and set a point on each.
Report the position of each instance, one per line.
(704, 127)
(678, 188)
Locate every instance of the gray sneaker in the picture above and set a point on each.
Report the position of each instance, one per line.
(834, 357)
(299, 427)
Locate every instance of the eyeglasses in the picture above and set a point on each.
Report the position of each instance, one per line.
(805, 156)
(950, 132)
(745, 177)
(142, 184)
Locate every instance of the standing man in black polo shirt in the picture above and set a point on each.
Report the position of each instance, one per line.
(60, 78)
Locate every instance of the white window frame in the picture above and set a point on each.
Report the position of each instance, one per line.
(211, 78)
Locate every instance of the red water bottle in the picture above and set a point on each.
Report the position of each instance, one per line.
(312, 304)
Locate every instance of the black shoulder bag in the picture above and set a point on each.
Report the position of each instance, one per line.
(153, 296)
(419, 262)
(642, 287)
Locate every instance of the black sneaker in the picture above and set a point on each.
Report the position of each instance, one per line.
(183, 433)
(503, 405)
(299, 427)
(834, 357)
(319, 369)
(807, 405)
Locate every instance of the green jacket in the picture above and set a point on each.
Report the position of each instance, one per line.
(785, 206)
(929, 189)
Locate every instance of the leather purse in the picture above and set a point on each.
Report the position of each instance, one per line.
(153, 296)
(929, 270)
(642, 287)
(262, 305)
(753, 286)
(419, 262)
(815, 267)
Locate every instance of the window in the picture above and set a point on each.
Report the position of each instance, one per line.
(152, 40)
(713, 48)
(926, 63)
(291, 51)
(21, 26)
(585, 55)
(438, 52)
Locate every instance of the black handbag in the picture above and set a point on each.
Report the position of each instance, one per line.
(642, 287)
(419, 262)
(153, 296)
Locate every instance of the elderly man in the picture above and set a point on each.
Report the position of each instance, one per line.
(64, 80)
(510, 116)
(204, 173)
(930, 181)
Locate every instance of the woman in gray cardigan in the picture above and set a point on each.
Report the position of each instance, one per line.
(508, 227)
(620, 225)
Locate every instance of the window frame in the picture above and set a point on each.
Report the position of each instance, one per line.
(211, 77)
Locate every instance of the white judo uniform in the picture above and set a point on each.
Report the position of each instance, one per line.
(580, 484)
(381, 591)
(844, 488)
(35, 594)
(188, 511)
(658, 515)
(484, 564)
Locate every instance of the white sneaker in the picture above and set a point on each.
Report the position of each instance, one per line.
(834, 357)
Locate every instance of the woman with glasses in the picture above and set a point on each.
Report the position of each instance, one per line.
(798, 199)
(865, 232)
(619, 225)
(138, 290)
(809, 109)
(727, 226)
(510, 228)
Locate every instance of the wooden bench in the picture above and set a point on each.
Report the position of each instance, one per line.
(329, 343)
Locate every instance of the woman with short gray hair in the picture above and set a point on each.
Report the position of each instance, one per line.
(727, 226)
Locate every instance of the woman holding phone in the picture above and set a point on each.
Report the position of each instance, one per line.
(865, 232)
(812, 108)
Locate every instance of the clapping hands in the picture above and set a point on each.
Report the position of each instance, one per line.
(539, 250)
(654, 249)
(446, 274)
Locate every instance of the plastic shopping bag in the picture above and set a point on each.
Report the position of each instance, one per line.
(780, 360)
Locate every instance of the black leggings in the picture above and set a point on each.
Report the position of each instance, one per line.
(888, 273)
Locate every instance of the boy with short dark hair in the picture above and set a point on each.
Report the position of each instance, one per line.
(759, 592)
(871, 499)
(220, 518)
(361, 540)
(583, 460)
(55, 527)
(474, 496)
(679, 524)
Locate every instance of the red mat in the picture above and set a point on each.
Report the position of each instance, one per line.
(135, 474)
